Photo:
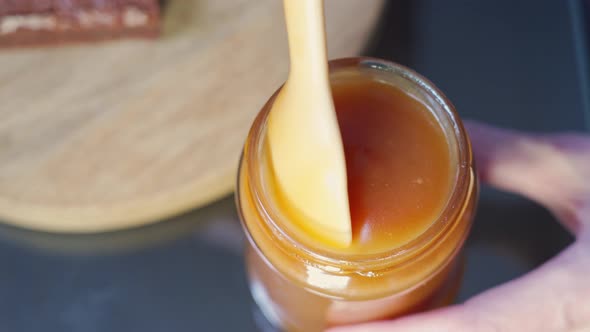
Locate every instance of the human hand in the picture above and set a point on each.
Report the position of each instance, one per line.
(553, 170)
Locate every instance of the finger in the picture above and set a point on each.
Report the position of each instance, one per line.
(553, 298)
(532, 165)
(512, 161)
(441, 320)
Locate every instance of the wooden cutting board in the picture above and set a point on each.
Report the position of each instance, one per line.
(107, 136)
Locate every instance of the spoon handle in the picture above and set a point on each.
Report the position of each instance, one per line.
(307, 47)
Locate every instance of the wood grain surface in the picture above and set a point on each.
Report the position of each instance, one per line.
(108, 136)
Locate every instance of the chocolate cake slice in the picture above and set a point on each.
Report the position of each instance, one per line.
(46, 22)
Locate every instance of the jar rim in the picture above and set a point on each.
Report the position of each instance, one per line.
(448, 216)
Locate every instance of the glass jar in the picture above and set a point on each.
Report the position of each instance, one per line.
(299, 287)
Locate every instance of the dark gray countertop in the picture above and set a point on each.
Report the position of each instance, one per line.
(508, 62)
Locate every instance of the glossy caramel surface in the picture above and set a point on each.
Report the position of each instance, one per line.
(398, 162)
